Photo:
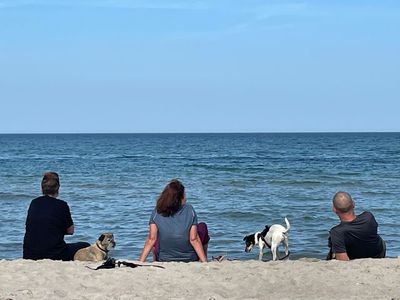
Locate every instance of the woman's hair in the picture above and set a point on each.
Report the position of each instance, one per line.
(50, 183)
(170, 200)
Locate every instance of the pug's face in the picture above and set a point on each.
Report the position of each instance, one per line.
(107, 240)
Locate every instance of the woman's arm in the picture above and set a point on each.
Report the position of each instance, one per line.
(149, 243)
(196, 243)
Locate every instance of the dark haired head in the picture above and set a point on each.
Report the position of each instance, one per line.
(50, 183)
(170, 200)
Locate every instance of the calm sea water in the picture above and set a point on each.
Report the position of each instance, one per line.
(237, 183)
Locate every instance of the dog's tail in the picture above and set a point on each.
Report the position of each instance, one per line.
(287, 225)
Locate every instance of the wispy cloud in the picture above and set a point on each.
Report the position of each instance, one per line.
(235, 17)
(127, 4)
(258, 17)
(170, 5)
(239, 19)
(259, 14)
(284, 9)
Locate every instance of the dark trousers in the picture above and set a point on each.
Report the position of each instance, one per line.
(66, 254)
(382, 254)
(72, 248)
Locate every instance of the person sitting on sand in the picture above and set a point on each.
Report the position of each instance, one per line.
(355, 236)
(174, 234)
(48, 220)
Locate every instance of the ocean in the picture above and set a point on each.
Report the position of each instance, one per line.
(237, 183)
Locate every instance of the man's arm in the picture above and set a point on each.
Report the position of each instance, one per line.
(68, 219)
(342, 256)
(70, 230)
(337, 244)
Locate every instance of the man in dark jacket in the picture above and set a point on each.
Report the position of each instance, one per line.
(48, 220)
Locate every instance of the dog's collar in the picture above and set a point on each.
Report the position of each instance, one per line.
(104, 250)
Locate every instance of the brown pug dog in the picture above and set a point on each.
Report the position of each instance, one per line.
(99, 250)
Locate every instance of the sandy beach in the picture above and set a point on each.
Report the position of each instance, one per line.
(300, 279)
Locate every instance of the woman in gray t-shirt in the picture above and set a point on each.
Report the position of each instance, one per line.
(173, 228)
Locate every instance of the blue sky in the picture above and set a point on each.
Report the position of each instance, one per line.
(199, 66)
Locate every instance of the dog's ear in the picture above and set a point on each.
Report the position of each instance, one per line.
(101, 237)
(267, 227)
(245, 238)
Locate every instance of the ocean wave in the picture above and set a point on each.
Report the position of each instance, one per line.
(9, 196)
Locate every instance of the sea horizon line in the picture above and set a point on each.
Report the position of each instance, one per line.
(196, 132)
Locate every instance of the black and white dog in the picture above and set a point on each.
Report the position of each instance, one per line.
(270, 237)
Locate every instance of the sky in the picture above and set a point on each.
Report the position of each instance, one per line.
(110, 66)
